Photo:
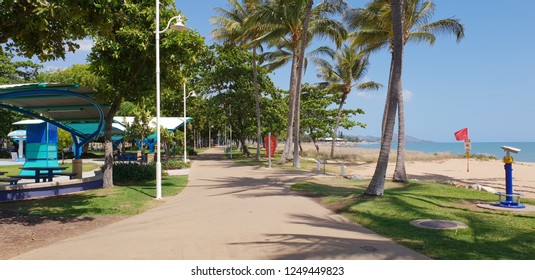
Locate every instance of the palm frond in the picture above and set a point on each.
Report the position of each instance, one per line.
(445, 26)
(368, 86)
(421, 37)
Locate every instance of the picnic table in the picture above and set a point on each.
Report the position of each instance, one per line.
(48, 172)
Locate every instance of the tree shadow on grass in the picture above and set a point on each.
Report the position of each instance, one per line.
(11, 217)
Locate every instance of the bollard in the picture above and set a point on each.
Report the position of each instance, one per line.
(318, 163)
(509, 194)
(77, 168)
(342, 167)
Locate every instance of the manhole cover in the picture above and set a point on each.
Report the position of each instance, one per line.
(438, 224)
(369, 248)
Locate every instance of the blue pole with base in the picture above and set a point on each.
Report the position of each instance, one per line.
(508, 160)
(510, 195)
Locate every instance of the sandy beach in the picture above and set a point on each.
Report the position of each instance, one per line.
(453, 171)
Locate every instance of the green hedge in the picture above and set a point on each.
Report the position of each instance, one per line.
(124, 173)
(174, 164)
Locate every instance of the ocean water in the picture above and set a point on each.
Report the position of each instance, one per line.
(527, 153)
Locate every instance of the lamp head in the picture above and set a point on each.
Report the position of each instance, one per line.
(179, 25)
(192, 94)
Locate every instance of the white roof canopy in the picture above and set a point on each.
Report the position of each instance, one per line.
(166, 122)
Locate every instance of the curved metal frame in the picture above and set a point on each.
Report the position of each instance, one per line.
(79, 139)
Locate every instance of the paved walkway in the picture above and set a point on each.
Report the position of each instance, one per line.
(231, 211)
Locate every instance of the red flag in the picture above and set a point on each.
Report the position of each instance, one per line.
(461, 134)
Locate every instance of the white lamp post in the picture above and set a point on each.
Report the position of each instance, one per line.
(179, 26)
(192, 94)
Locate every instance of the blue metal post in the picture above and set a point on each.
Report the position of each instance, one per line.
(509, 183)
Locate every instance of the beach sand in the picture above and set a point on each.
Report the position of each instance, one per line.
(489, 173)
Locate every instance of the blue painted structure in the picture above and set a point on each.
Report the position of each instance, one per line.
(19, 194)
(41, 147)
(40, 101)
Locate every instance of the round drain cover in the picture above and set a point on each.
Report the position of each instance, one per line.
(438, 224)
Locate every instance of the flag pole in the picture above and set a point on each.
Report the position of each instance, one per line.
(468, 163)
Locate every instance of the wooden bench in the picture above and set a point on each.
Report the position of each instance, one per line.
(70, 174)
(11, 181)
(36, 178)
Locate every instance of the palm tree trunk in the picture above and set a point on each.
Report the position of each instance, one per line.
(377, 183)
(387, 96)
(303, 44)
(335, 130)
(286, 153)
(108, 159)
(257, 96)
(400, 174)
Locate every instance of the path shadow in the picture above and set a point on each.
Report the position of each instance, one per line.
(10, 217)
(308, 246)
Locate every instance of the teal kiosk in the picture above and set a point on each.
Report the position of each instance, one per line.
(41, 147)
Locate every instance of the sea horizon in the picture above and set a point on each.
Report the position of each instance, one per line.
(527, 153)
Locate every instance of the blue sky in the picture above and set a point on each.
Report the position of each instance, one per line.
(481, 83)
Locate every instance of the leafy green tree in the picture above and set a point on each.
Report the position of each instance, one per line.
(140, 128)
(348, 68)
(125, 61)
(64, 142)
(317, 119)
(17, 71)
(374, 29)
(78, 74)
(231, 82)
(49, 28)
(233, 30)
(14, 72)
(126, 109)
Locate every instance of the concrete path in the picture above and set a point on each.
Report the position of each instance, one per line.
(229, 211)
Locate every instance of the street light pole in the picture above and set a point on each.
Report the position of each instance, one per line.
(184, 124)
(158, 159)
(192, 94)
(179, 26)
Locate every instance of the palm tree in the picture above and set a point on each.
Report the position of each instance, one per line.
(374, 26)
(297, 22)
(233, 31)
(376, 186)
(349, 66)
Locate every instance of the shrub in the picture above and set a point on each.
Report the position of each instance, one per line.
(174, 164)
(124, 173)
(5, 154)
(191, 151)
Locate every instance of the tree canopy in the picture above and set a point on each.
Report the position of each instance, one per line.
(49, 29)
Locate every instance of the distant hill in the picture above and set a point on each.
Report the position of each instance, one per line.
(408, 139)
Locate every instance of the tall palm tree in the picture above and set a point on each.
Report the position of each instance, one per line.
(348, 68)
(278, 19)
(233, 30)
(374, 26)
(376, 186)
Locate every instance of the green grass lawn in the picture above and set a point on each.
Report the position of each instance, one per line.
(491, 234)
(119, 200)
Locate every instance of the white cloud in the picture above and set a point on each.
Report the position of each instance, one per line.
(407, 95)
(370, 94)
(85, 45)
(53, 69)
